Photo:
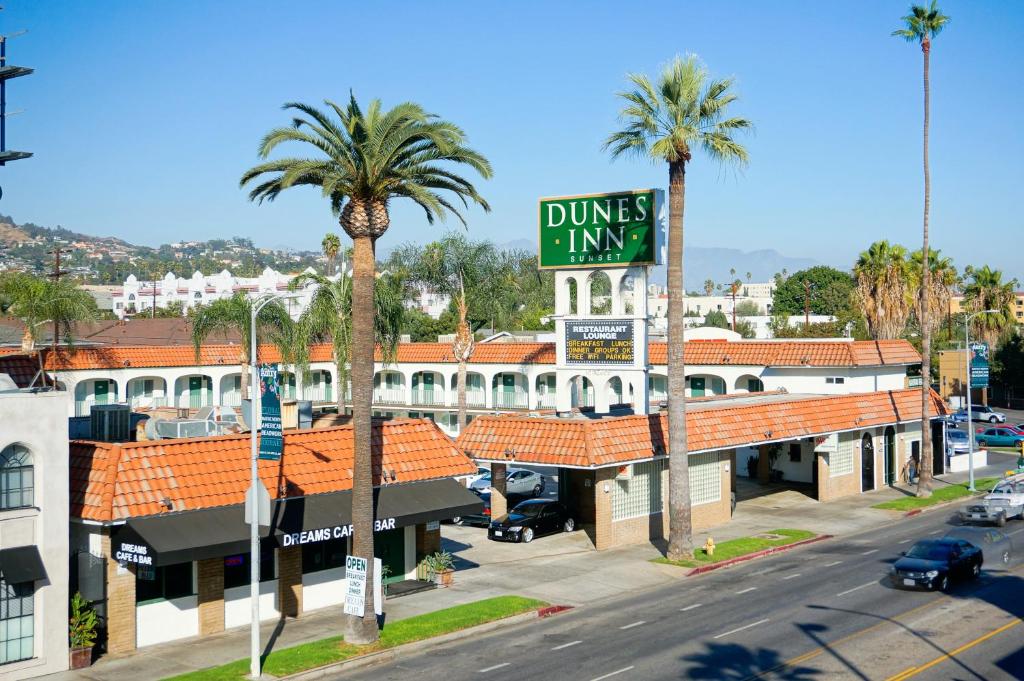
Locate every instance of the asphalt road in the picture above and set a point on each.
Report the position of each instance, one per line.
(822, 611)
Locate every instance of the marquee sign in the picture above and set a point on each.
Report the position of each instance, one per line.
(599, 342)
(327, 533)
(599, 230)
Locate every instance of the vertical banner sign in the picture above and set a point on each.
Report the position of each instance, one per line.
(355, 596)
(979, 365)
(599, 230)
(271, 437)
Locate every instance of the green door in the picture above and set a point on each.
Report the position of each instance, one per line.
(696, 387)
(327, 386)
(389, 546)
(195, 391)
(428, 386)
(101, 392)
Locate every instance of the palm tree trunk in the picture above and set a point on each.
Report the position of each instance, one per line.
(362, 630)
(924, 484)
(462, 396)
(341, 386)
(243, 383)
(680, 525)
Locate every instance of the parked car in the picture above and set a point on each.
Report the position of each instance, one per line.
(981, 413)
(481, 519)
(1005, 501)
(936, 563)
(517, 481)
(480, 472)
(957, 442)
(993, 543)
(531, 518)
(999, 437)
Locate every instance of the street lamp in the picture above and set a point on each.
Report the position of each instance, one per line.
(970, 420)
(254, 481)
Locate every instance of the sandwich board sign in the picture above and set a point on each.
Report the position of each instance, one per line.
(355, 596)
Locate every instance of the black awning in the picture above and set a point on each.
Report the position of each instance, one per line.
(21, 564)
(182, 537)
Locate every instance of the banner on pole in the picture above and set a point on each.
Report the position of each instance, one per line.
(271, 437)
(979, 365)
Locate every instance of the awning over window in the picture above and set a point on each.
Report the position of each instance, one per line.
(21, 564)
(182, 537)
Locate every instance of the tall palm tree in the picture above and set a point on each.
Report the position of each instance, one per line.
(986, 290)
(668, 121)
(362, 160)
(331, 244)
(235, 314)
(709, 286)
(884, 289)
(942, 279)
(328, 317)
(921, 26)
(38, 302)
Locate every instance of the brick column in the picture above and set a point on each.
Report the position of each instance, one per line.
(499, 501)
(732, 470)
(211, 595)
(603, 535)
(289, 581)
(120, 603)
(823, 477)
(763, 464)
(427, 542)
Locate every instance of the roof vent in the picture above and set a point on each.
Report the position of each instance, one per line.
(111, 422)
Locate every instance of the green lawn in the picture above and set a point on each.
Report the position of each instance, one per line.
(318, 653)
(940, 494)
(734, 548)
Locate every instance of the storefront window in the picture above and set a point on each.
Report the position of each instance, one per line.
(324, 555)
(236, 568)
(16, 621)
(169, 581)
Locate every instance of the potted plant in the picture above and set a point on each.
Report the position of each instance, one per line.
(442, 566)
(81, 631)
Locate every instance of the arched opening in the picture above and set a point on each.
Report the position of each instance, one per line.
(388, 388)
(94, 391)
(657, 388)
(748, 383)
(704, 385)
(476, 394)
(508, 391)
(147, 392)
(546, 391)
(286, 382)
(867, 463)
(889, 449)
(572, 290)
(319, 387)
(428, 388)
(582, 391)
(194, 392)
(627, 293)
(614, 388)
(231, 390)
(17, 477)
(600, 293)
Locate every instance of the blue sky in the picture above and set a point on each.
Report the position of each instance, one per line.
(143, 115)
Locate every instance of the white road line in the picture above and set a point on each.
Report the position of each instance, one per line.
(1015, 532)
(905, 541)
(792, 576)
(611, 674)
(856, 588)
(833, 563)
(690, 607)
(868, 553)
(746, 591)
(497, 666)
(935, 532)
(567, 645)
(634, 624)
(738, 629)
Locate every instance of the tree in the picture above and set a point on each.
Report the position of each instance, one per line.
(942, 279)
(986, 290)
(331, 245)
(235, 314)
(717, 319)
(830, 292)
(748, 308)
(362, 160)
(328, 318)
(749, 277)
(40, 303)
(667, 122)
(709, 287)
(1008, 367)
(883, 288)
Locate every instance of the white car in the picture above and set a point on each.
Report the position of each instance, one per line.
(1006, 500)
(468, 480)
(517, 481)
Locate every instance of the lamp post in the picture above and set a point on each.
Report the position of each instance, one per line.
(970, 419)
(254, 524)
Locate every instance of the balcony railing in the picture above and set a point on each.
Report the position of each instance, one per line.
(657, 396)
(588, 398)
(231, 398)
(546, 401)
(148, 401)
(513, 400)
(389, 395)
(318, 393)
(433, 398)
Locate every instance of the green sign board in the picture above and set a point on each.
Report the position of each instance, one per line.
(979, 365)
(271, 436)
(600, 230)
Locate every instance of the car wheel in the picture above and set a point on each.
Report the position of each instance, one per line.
(982, 443)
(570, 525)
(538, 490)
(1001, 521)
(976, 571)
(457, 520)
(993, 419)
(943, 583)
(528, 535)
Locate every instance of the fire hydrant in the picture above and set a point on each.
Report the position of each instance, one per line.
(709, 546)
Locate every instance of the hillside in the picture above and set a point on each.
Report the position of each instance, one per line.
(11, 235)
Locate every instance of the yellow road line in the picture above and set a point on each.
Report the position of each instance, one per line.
(914, 671)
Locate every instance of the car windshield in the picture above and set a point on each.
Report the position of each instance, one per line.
(1008, 488)
(530, 510)
(956, 435)
(929, 551)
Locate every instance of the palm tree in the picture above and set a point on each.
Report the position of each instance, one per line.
(986, 290)
(331, 244)
(361, 161)
(749, 277)
(667, 122)
(921, 26)
(942, 279)
(709, 286)
(38, 302)
(235, 314)
(329, 318)
(883, 289)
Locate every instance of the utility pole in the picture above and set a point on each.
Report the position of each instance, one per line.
(56, 275)
(735, 285)
(807, 304)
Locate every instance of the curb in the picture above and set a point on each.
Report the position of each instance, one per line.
(383, 656)
(757, 554)
(959, 500)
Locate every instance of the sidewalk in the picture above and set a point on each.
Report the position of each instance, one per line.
(562, 569)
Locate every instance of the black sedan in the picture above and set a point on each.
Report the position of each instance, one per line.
(529, 519)
(935, 563)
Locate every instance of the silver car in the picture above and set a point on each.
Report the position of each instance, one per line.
(517, 481)
(957, 442)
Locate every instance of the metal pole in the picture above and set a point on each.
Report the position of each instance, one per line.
(254, 526)
(970, 420)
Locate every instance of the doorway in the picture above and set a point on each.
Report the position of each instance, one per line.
(389, 546)
(697, 386)
(889, 445)
(867, 463)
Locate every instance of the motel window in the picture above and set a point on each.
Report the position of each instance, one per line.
(163, 583)
(17, 477)
(705, 478)
(17, 625)
(754, 385)
(794, 452)
(324, 555)
(840, 462)
(838, 380)
(236, 568)
(640, 493)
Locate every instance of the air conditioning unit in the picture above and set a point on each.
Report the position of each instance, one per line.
(111, 422)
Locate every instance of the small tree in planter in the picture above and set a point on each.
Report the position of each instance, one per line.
(442, 566)
(81, 631)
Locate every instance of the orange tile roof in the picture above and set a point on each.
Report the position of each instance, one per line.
(116, 481)
(746, 353)
(593, 443)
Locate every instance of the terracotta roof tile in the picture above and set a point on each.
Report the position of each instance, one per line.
(117, 481)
